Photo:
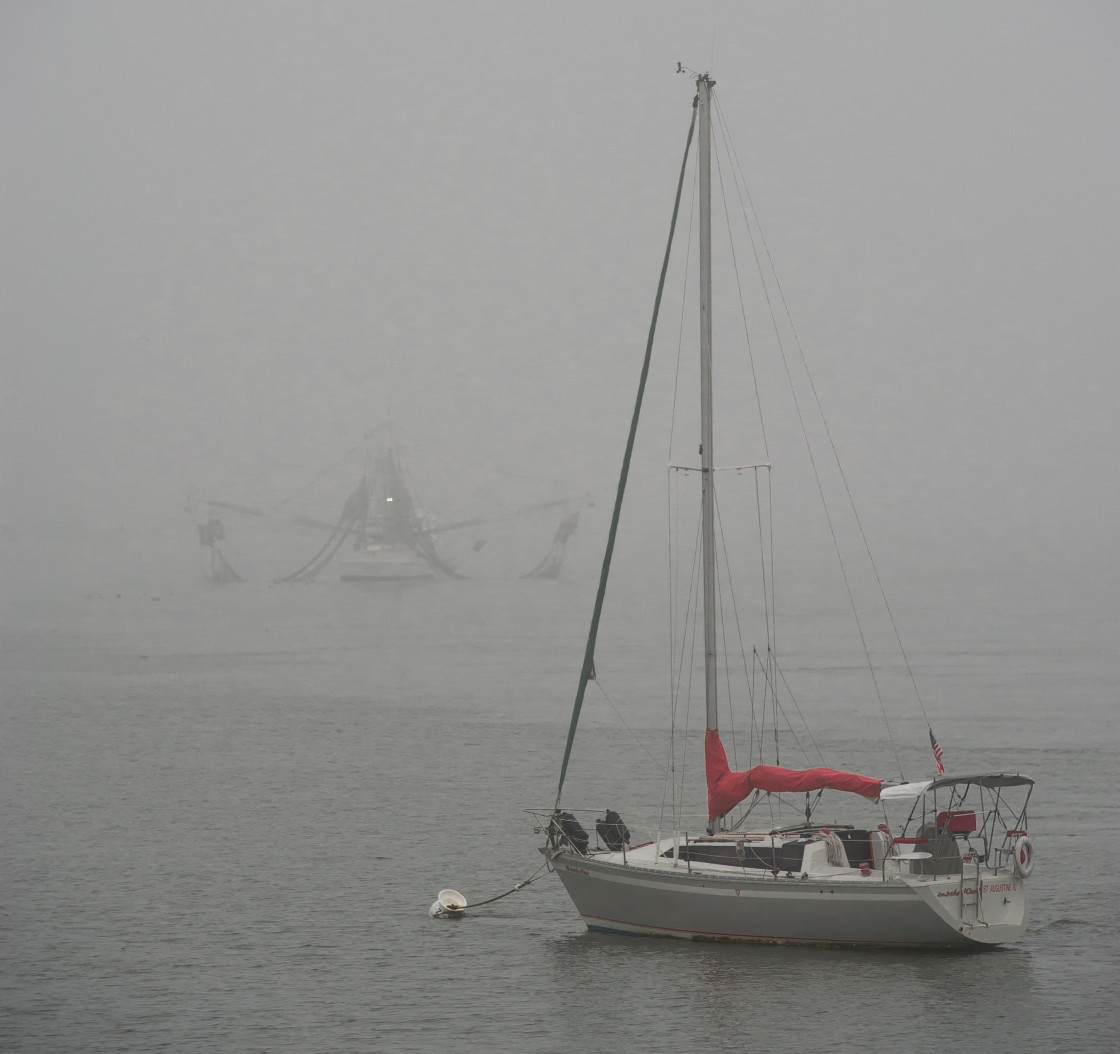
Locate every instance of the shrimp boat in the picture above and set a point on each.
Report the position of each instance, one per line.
(947, 865)
(384, 534)
(392, 536)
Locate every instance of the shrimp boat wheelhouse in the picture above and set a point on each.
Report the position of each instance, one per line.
(947, 867)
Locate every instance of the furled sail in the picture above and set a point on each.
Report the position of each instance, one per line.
(726, 788)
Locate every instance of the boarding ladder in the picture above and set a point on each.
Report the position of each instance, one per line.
(970, 890)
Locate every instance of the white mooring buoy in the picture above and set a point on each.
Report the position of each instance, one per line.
(450, 904)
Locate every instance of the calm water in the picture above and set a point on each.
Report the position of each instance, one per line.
(227, 810)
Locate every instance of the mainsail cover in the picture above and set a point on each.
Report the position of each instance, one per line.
(726, 788)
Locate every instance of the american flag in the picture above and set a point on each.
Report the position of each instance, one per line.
(937, 754)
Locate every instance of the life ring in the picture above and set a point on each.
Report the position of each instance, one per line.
(1024, 856)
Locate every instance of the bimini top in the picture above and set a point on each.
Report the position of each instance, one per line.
(987, 780)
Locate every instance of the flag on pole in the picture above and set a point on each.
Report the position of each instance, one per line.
(937, 753)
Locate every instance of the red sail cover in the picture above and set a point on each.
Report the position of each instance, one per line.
(726, 788)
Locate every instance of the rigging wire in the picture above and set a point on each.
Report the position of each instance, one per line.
(741, 187)
(765, 535)
(682, 605)
(638, 742)
(768, 665)
(322, 475)
(769, 593)
(804, 724)
(687, 647)
(723, 623)
(587, 672)
(674, 674)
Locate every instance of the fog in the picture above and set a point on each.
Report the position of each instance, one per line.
(239, 236)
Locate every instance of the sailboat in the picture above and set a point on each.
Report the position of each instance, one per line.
(946, 868)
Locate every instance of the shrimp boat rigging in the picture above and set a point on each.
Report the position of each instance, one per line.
(950, 872)
(383, 533)
(391, 536)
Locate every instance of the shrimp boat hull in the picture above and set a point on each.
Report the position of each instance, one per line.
(384, 564)
(853, 910)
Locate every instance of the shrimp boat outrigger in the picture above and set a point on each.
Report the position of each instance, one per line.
(947, 867)
(391, 537)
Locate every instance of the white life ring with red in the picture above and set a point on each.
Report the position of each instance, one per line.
(1024, 856)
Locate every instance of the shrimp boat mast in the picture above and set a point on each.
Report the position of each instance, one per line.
(392, 536)
(949, 872)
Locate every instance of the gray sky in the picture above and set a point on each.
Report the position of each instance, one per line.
(239, 235)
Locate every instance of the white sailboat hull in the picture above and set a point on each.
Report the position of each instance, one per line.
(845, 908)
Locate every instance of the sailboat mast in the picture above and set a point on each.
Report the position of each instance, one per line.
(707, 474)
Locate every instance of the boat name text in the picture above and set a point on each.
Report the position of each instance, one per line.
(999, 887)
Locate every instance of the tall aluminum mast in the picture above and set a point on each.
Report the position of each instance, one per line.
(707, 475)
